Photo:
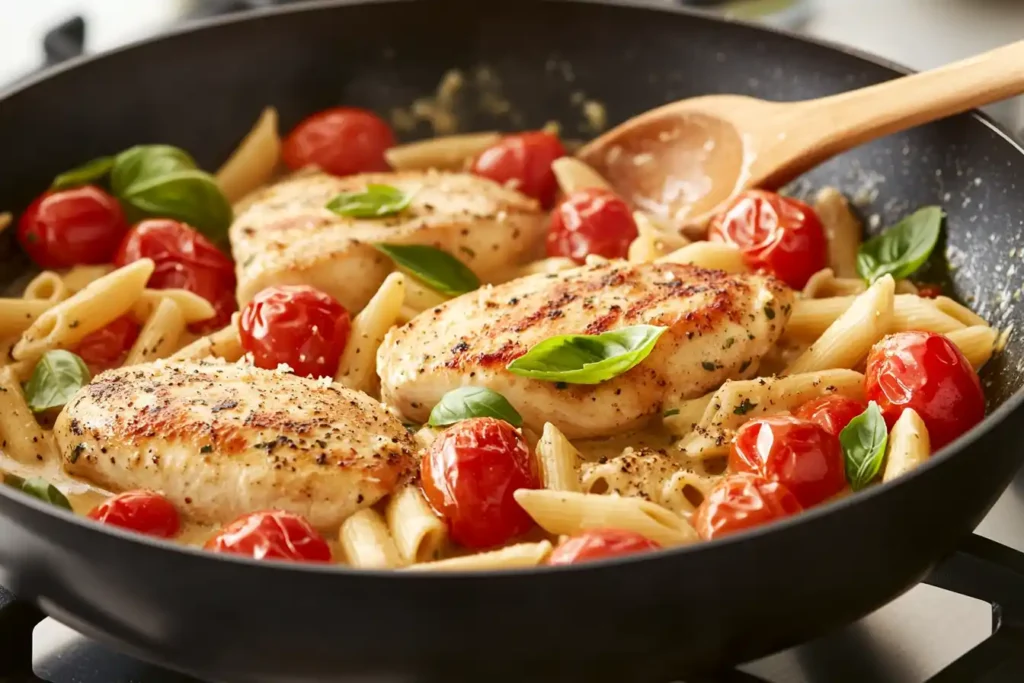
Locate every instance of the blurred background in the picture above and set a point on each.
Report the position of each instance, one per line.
(917, 33)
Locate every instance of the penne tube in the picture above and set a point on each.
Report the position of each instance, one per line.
(574, 174)
(79, 277)
(367, 544)
(908, 447)
(554, 264)
(21, 437)
(847, 341)
(559, 460)
(17, 315)
(906, 287)
(643, 249)
(714, 255)
(448, 153)
(357, 368)
(683, 417)
(517, 556)
(193, 307)
(825, 284)
(567, 512)
(47, 286)
(5, 220)
(842, 229)
(223, 343)
(956, 310)
(811, 317)
(418, 533)
(253, 163)
(159, 335)
(421, 298)
(977, 343)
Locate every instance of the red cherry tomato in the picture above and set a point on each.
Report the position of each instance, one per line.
(341, 141)
(780, 235)
(107, 347)
(469, 475)
(70, 227)
(297, 325)
(597, 544)
(272, 535)
(592, 221)
(831, 412)
(186, 260)
(146, 512)
(929, 291)
(926, 372)
(800, 454)
(742, 501)
(523, 162)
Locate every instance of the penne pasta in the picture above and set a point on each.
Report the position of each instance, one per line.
(17, 315)
(21, 437)
(842, 229)
(366, 542)
(47, 286)
(847, 341)
(680, 418)
(906, 287)
(908, 447)
(811, 317)
(79, 277)
(511, 557)
(253, 163)
(643, 249)
(357, 368)
(223, 343)
(554, 264)
(559, 460)
(977, 343)
(100, 303)
(714, 255)
(159, 335)
(418, 533)
(824, 284)
(651, 476)
(419, 297)
(193, 307)
(567, 512)
(448, 153)
(5, 220)
(574, 174)
(956, 310)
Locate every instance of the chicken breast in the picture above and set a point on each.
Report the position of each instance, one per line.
(286, 235)
(719, 326)
(223, 440)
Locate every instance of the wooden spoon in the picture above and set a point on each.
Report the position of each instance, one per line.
(682, 161)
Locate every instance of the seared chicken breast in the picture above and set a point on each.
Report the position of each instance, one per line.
(222, 440)
(719, 326)
(286, 235)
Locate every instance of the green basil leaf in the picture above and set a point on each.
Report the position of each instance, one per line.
(38, 488)
(903, 248)
(434, 267)
(190, 196)
(56, 378)
(466, 402)
(87, 173)
(378, 201)
(863, 442)
(587, 359)
(145, 162)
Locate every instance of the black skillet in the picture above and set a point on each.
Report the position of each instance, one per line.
(652, 618)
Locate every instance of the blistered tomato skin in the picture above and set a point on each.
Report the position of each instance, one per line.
(296, 325)
(469, 475)
(146, 512)
(591, 221)
(598, 544)
(67, 228)
(926, 372)
(831, 412)
(272, 535)
(108, 346)
(523, 162)
(776, 234)
(799, 454)
(340, 141)
(184, 260)
(743, 501)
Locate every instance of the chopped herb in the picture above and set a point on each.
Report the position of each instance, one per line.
(561, 385)
(744, 407)
(709, 366)
(729, 342)
(206, 449)
(746, 364)
(670, 412)
(769, 312)
(75, 453)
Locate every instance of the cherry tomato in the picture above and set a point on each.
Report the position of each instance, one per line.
(780, 235)
(597, 544)
(926, 372)
(272, 535)
(831, 412)
(297, 325)
(146, 512)
(70, 227)
(341, 141)
(186, 260)
(800, 454)
(469, 475)
(742, 501)
(523, 162)
(929, 291)
(592, 221)
(107, 347)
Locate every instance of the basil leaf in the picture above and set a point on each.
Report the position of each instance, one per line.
(863, 442)
(587, 359)
(38, 488)
(378, 201)
(56, 378)
(87, 173)
(903, 248)
(145, 162)
(434, 267)
(466, 402)
(190, 196)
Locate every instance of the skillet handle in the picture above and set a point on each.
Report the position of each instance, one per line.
(18, 618)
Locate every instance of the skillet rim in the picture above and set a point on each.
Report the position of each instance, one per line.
(88, 526)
